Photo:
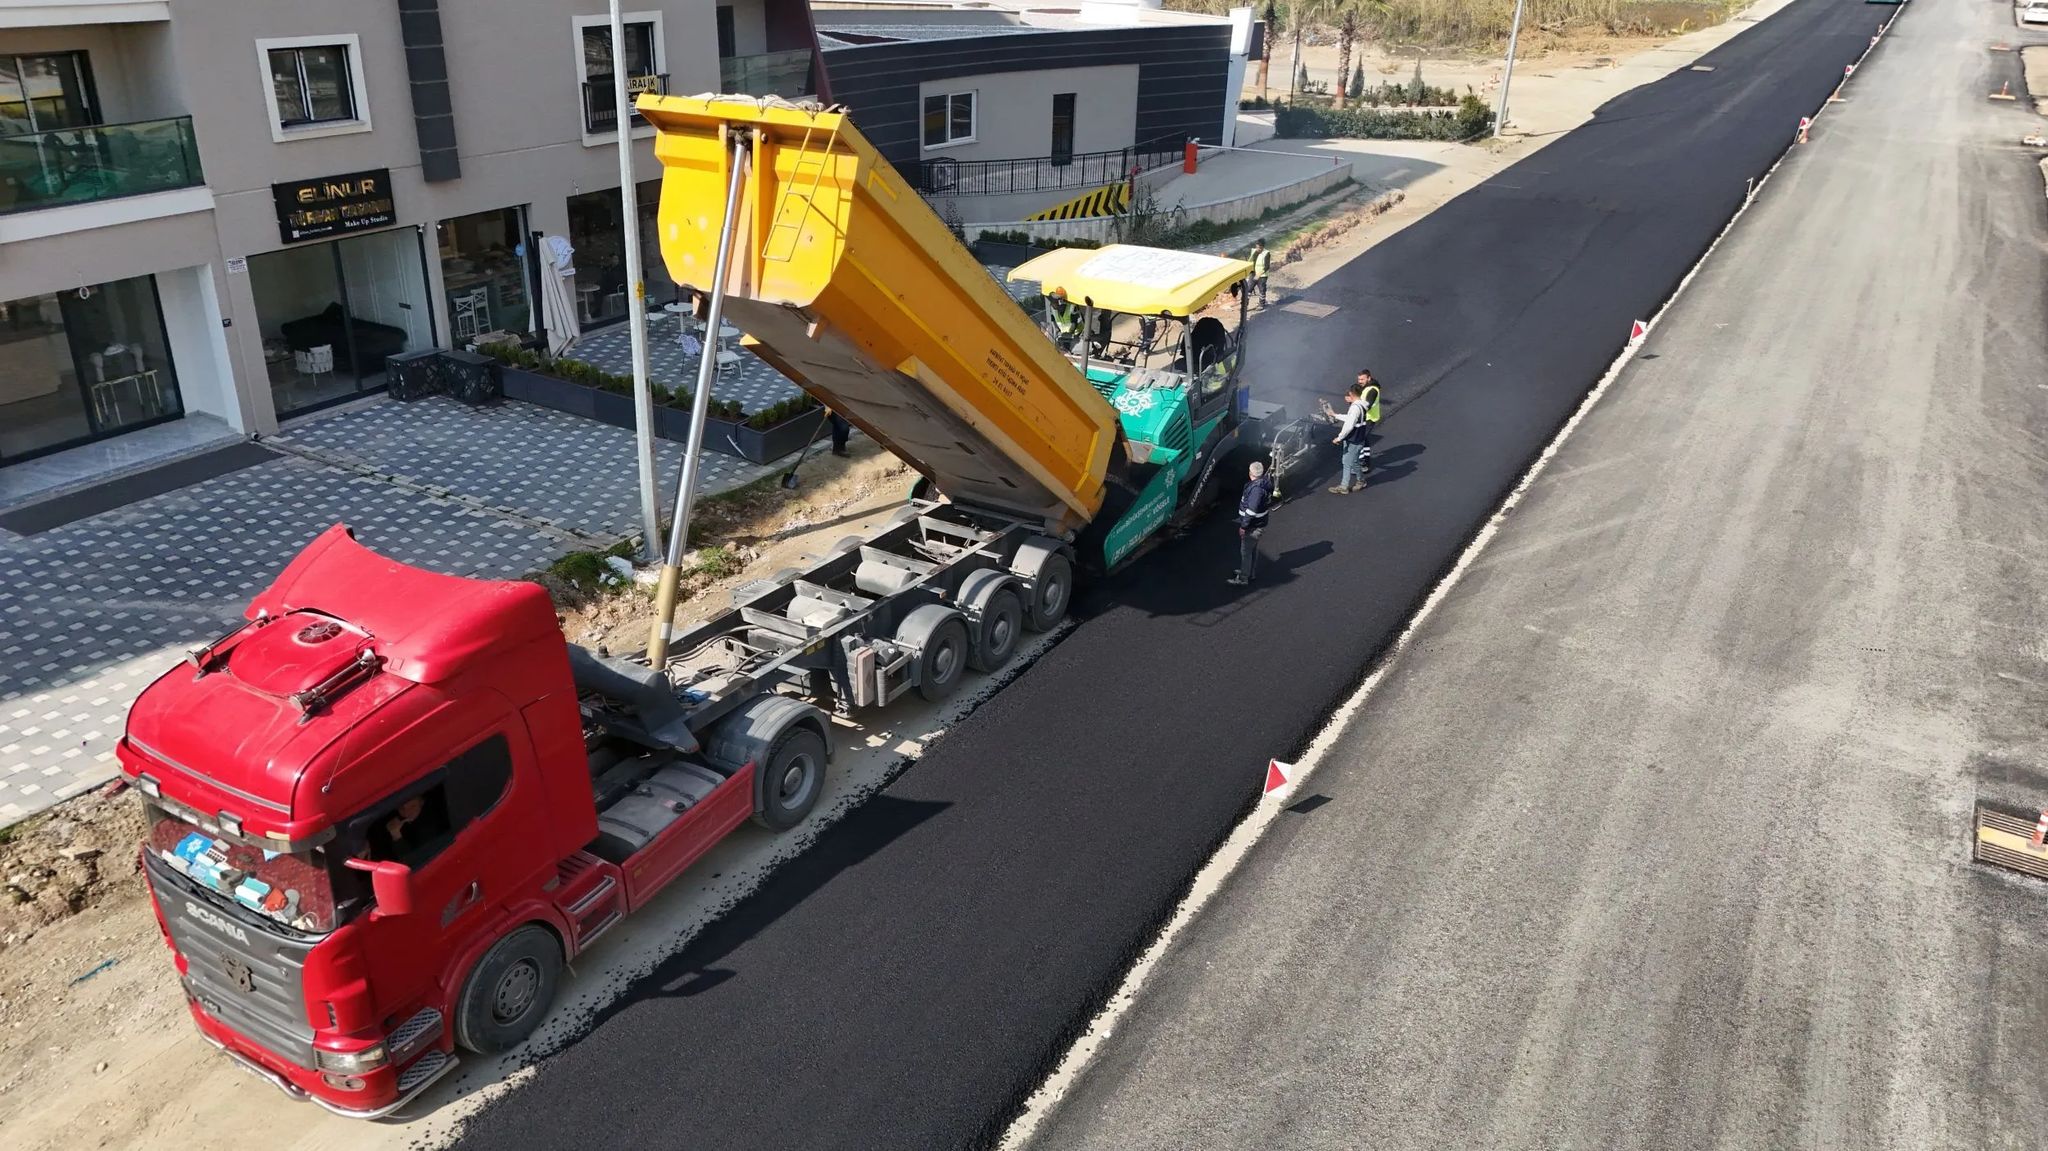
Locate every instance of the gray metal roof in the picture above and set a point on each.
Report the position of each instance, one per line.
(920, 31)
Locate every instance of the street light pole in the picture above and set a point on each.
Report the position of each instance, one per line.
(636, 301)
(1500, 115)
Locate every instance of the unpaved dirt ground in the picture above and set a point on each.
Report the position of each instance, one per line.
(90, 993)
(767, 528)
(2035, 60)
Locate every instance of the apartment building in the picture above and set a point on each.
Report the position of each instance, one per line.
(223, 213)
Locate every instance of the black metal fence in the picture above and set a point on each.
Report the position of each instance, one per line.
(600, 114)
(943, 176)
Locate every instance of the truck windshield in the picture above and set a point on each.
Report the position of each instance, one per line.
(295, 889)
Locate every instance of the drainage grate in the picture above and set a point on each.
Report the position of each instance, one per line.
(1313, 311)
(2004, 837)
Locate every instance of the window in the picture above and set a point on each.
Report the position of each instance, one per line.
(420, 824)
(311, 85)
(41, 93)
(1063, 129)
(314, 86)
(597, 50)
(728, 43)
(644, 62)
(948, 119)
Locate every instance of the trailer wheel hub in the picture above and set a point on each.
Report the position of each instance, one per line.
(514, 996)
(791, 785)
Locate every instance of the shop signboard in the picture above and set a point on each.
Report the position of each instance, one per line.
(334, 205)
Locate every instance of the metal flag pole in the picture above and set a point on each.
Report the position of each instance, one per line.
(707, 374)
(636, 302)
(1500, 116)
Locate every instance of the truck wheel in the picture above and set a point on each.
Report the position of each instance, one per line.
(788, 783)
(939, 634)
(1051, 576)
(999, 618)
(509, 991)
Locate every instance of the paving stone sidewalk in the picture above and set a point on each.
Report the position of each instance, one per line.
(92, 611)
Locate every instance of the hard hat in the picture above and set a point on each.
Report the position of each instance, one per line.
(1060, 292)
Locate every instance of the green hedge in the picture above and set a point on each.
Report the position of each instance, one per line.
(1472, 119)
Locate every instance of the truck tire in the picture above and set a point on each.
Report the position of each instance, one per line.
(509, 991)
(790, 778)
(990, 598)
(940, 637)
(1050, 575)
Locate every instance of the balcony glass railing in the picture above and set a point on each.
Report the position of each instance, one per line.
(100, 162)
(769, 74)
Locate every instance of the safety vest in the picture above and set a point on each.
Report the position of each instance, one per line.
(1371, 396)
(1064, 315)
(1259, 260)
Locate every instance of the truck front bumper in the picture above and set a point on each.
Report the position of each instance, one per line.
(384, 1091)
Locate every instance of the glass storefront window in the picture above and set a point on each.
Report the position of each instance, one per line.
(483, 270)
(82, 365)
(601, 253)
(330, 314)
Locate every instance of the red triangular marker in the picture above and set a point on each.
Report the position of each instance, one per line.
(1276, 775)
(1637, 331)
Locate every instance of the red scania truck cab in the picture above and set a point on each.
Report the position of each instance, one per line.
(386, 811)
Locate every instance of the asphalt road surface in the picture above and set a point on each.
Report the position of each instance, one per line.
(1655, 836)
(907, 982)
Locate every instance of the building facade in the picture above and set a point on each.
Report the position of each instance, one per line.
(977, 98)
(235, 210)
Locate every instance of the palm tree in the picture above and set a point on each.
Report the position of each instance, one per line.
(1347, 34)
(1347, 13)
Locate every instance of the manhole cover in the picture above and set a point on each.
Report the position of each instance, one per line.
(1313, 311)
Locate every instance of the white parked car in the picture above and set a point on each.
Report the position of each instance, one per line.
(2035, 12)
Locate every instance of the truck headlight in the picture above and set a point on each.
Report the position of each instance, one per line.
(352, 1062)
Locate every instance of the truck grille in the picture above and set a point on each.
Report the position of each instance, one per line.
(246, 976)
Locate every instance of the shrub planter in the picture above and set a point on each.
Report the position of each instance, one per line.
(549, 392)
(766, 445)
(671, 424)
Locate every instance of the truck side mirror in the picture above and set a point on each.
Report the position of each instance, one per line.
(390, 882)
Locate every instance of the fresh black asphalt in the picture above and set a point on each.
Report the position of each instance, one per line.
(908, 981)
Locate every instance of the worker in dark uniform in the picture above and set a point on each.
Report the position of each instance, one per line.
(1252, 509)
(841, 432)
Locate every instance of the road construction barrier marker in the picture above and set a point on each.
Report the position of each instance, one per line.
(2004, 92)
(1805, 122)
(1849, 70)
(1637, 331)
(1276, 775)
(2041, 829)
(1108, 200)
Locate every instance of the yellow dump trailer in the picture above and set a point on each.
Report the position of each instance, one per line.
(846, 281)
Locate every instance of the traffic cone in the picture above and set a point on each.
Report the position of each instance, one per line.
(2041, 830)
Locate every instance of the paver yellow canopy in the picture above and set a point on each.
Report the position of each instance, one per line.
(845, 281)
